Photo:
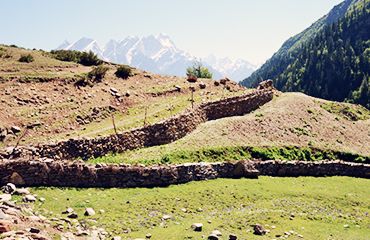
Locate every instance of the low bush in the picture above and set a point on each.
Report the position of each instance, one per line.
(26, 58)
(98, 73)
(84, 58)
(123, 72)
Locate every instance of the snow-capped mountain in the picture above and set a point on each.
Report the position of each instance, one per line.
(159, 54)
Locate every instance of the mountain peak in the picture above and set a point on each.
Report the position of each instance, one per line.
(158, 54)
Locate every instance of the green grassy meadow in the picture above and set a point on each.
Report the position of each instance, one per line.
(313, 208)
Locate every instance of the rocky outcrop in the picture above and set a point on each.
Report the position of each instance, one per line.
(163, 132)
(79, 174)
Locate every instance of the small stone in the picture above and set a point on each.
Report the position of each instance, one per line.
(197, 227)
(68, 210)
(217, 233)
(5, 197)
(114, 90)
(213, 237)
(259, 230)
(29, 198)
(202, 85)
(15, 177)
(178, 88)
(166, 217)
(73, 215)
(9, 188)
(22, 191)
(15, 129)
(89, 212)
(4, 227)
(34, 230)
(233, 237)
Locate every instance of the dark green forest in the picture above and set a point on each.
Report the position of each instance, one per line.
(334, 64)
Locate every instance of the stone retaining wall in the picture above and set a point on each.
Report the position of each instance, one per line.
(163, 132)
(80, 174)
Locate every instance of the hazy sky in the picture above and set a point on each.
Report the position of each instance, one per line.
(249, 29)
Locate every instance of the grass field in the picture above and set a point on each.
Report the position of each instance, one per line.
(316, 208)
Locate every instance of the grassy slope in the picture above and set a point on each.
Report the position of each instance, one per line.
(58, 102)
(321, 206)
(292, 119)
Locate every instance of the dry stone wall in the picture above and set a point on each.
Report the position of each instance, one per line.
(79, 174)
(164, 132)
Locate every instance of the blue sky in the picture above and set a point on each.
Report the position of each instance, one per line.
(249, 29)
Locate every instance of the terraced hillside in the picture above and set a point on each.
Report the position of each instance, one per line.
(42, 96)
(41, 103)
(289, 120)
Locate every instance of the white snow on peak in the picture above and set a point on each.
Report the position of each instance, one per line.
(159, 54)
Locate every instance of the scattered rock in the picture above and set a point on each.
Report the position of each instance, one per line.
(213, 237)
(16, 178)
(265, 85)
(259, 230)
(192, 79)
(89, 212)
(68, 210)
(202, 85)
(34, 125)
(224, 81)
(9, 188)
(197, 227)
(73, 215)
(5, 197)
(217, 233)
(34, 230)
(29, 198)
(166, 217)
(113, 90)
(22, 191)
(177, 88)
(233, 237)
(15, 129)
(4, 227)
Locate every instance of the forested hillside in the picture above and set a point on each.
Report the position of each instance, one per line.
(333, 64)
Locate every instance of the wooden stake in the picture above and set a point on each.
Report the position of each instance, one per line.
(114, 125)
(19, 140)
(145, 116)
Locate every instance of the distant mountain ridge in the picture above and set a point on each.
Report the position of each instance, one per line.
(159, 54)
(330, 59)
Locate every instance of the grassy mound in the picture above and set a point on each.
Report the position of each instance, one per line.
(220, 154)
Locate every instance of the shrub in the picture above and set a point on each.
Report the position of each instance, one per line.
(198, 70)
(84, 58)
(26, 58)
(98, 73)
(89, 59)
(124, 72)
